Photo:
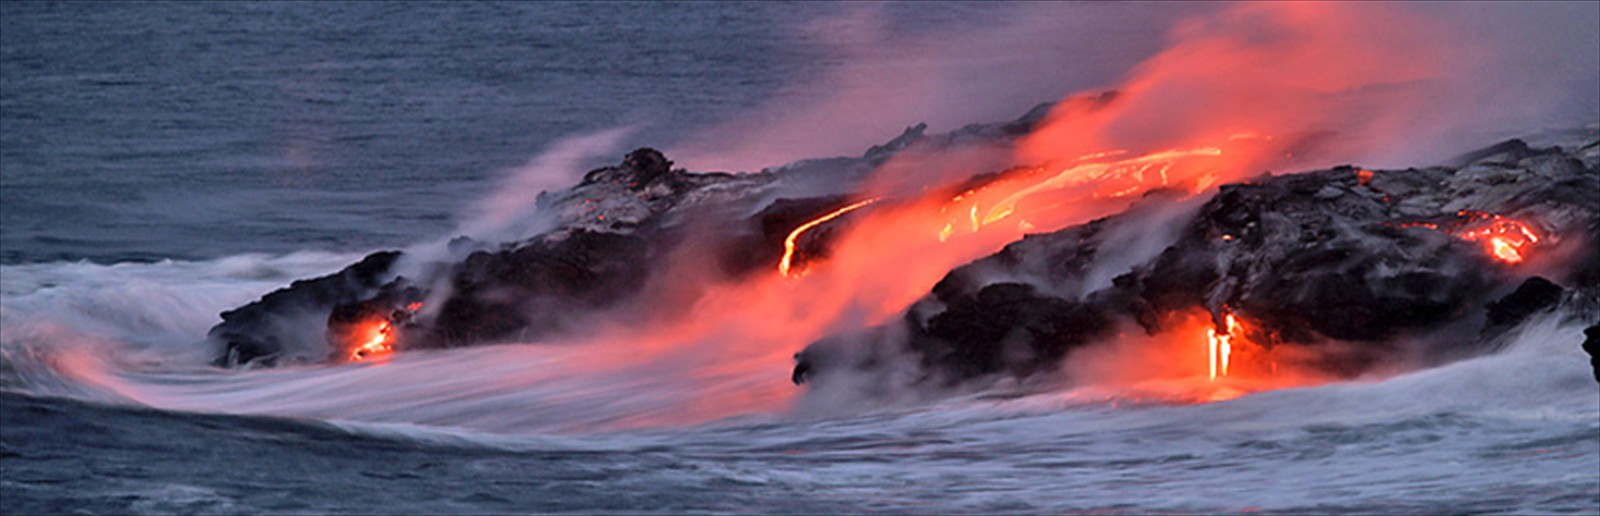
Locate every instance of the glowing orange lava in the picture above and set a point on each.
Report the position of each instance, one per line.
(1240, 358)
(378, 344)
(784, 265)
(1505, 239)
(379, 338)
(1109, 180)
(1221, 346)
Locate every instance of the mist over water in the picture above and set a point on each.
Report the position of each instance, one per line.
(189, 158)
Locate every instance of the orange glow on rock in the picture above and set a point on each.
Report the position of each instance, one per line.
(1504, 250)
(376, 336)
(1504, 239)
(1221, 345)
(1169, 367)
(377, 344)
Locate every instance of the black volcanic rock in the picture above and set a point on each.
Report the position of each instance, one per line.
(535, 289)
(262, 332)
(350, 324)
(1309, 256)
(1332, 255)
(1005, 327)
(594, 246)
(609, 230)
(1507, 152)
(992, 317)
(640, 169)
(761, 245)
(522, 289)
(1591, 345)
(1533, 295)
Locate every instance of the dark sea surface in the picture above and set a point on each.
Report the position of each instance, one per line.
(137, 131)
(147, 131)
(162, 162)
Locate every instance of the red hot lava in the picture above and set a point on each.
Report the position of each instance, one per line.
(789, 244)
(378, 344)
(376, 336)
(1221, 345)
(1503, 239)
(1090, 174)
(1197, 358)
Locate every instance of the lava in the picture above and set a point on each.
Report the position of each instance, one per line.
(1364, 177)
(1505, 239)
(378, 344)
(380, 334)
(1107, 180)
(785, 265)
(1220, 346)
(1169, 366)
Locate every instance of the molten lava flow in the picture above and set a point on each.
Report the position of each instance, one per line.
(378, 336)
(1364, 177)
(1106, 180)
(376, 345)
(1505, 239)
(1240, 358)
(794, 236)
(1221, 346)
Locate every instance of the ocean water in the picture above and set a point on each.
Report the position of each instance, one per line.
(155, 131)
(160, 163)
(184, 131)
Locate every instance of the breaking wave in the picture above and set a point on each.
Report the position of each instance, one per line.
(131, 333)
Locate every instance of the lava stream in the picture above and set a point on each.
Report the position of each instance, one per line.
(1221, 346)
(784, 265)
(1504, 238)
(1108, 180)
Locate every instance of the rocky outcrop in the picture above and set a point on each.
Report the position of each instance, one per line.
(597, 245)
(1534, 295)
(1359, 257)
(535, 289)
(1591, 345)
(281, 323)
(1315, 255)
(1345, 254)
(609, 232)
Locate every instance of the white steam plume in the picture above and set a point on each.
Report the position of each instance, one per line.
(508, 212)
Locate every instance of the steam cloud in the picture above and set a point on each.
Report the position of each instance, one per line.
(507, 213)
(986, 62)
(1404, 83)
